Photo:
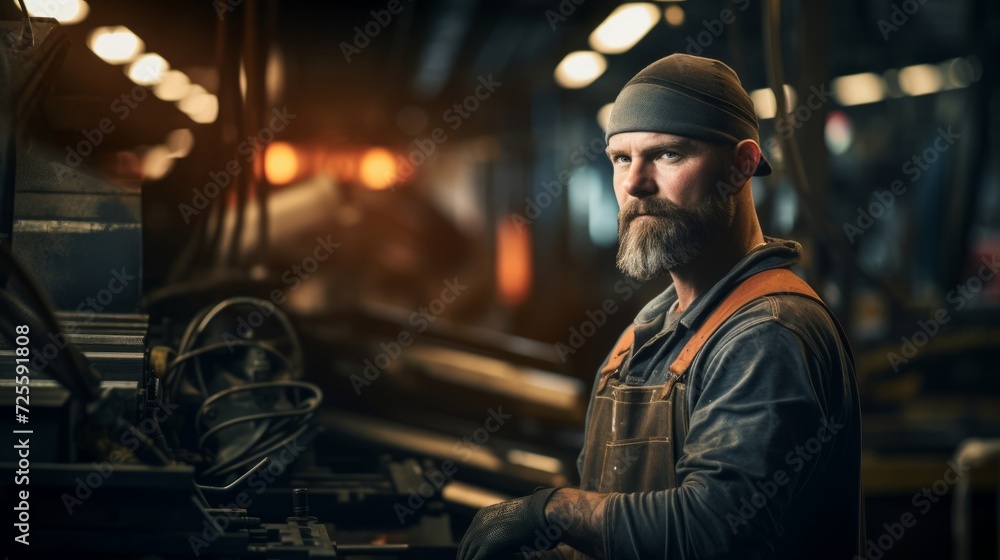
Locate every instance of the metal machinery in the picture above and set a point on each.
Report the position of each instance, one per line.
(105, 451)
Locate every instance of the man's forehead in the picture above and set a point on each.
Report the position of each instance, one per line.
(631, 141)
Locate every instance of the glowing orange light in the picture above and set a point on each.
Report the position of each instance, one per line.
(281, 164)
(378, 169)
(513, 264)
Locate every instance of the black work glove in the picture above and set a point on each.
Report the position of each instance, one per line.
(502, 529)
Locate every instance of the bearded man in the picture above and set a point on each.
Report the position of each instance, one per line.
(725, 423)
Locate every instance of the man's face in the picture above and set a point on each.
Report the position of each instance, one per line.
(670, 208)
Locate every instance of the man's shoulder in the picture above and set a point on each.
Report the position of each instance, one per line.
(780, 318)
(792, 310)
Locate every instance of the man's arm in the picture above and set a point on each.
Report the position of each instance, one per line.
(581, 516)
(764, 394)
(766, 391)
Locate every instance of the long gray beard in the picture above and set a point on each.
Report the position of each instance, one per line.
(673, 238)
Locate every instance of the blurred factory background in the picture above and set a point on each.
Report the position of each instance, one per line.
(417, 194)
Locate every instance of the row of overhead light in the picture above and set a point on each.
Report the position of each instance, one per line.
(119, 45)
(618, 33)
(630, 22)
(869, 87)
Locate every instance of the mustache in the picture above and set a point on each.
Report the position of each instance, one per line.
(636, 207)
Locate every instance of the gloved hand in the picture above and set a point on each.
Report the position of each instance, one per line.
(503, 528)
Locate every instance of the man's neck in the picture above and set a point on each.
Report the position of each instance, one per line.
(711, 266)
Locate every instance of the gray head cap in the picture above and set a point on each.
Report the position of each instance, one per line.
(688, 96)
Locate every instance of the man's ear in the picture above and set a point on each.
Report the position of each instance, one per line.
(748, 155)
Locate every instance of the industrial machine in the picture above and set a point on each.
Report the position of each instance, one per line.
(200, 435)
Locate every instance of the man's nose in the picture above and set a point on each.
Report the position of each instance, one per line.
(639, 181)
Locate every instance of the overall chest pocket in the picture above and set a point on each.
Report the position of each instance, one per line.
(639, 452)
(638, 465)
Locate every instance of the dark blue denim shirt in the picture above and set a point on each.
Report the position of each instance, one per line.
(770, 467)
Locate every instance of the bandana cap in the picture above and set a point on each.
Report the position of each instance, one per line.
(689, 96)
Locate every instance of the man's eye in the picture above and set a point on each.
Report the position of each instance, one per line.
(619, 159)
(670, 155)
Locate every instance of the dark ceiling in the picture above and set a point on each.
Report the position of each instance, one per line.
(431, 53)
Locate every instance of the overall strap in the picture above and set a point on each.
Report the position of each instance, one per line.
(618, 355)
(765, 283)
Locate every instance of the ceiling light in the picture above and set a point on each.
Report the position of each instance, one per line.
(920, 79)
(199, 105)
(173, 86)
(115, 45)
(604, 115)
(624, 27)
(858, 89)
(148, 69)
(579, 69)
(674, 15)
(66, 12)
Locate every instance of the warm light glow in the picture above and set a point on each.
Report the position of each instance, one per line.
(535, 461)
(378, 169)
(156, 163)
(857, 89)
(579, 69)
(513, 262)
(604, 115)
(173, 87)
(148, 69)
(674, 15)
(115, 45)
(274, 75)
(624, 27)
(65, 11)
(180, 142)
(281, 164)
(199, 105)
(765, 104)
(920, 79)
